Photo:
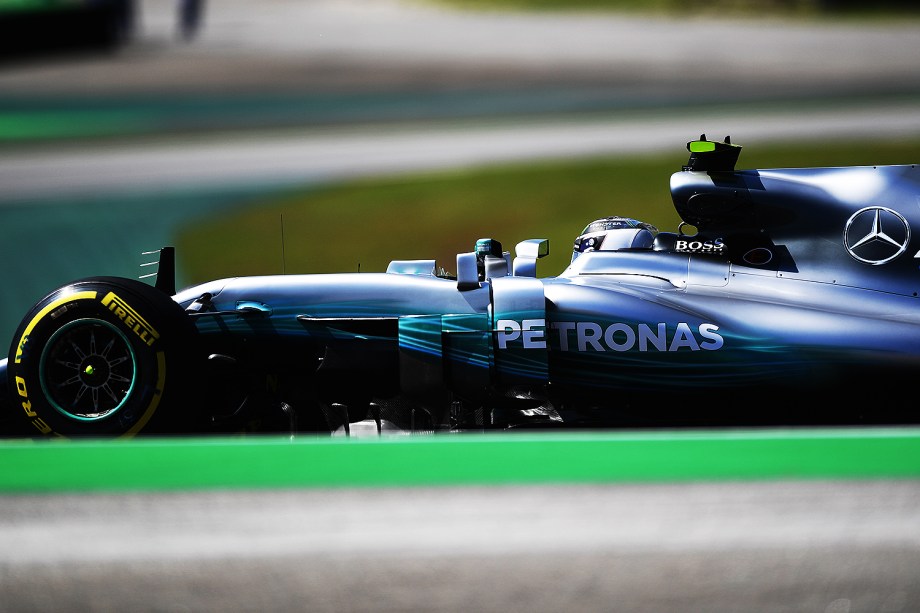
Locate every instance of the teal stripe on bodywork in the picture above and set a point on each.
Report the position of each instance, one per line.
(462, 459)
(421, 335)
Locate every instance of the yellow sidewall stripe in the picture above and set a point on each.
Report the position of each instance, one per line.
(41, 314)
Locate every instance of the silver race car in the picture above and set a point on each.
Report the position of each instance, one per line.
(786, 296)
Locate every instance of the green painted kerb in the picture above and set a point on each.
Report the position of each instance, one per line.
(47, 125)
(171, 464)
(32, 5)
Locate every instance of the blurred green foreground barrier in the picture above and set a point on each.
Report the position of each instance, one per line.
(458, 459)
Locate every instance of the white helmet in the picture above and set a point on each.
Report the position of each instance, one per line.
(613, 233)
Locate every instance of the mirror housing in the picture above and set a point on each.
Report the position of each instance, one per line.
(526, 255)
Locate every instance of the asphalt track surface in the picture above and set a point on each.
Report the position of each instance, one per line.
(820, 546)
(361, 44)
(776, 545)
(301, 158)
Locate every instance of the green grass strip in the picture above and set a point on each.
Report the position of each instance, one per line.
(49, 125)
(535, 458)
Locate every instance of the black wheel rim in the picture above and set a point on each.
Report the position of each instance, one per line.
(88, 370)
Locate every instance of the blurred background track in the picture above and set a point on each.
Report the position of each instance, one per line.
(316, 45)
(105, 154)
(822, 546)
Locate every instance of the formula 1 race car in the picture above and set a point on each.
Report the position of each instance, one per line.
(786, 296)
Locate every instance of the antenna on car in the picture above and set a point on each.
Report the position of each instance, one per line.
(282, 243)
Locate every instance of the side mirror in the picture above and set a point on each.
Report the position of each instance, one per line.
(526, 255)
(467, 271)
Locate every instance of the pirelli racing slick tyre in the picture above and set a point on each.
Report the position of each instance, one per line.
(103, 356)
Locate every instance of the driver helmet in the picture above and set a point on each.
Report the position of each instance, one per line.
(613, 233)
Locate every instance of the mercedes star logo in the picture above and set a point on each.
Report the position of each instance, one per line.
(876, 235)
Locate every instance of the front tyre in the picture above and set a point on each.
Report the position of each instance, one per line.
(103, 357)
